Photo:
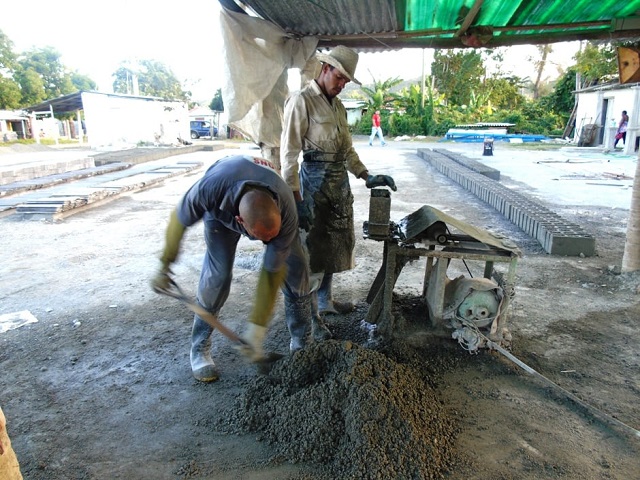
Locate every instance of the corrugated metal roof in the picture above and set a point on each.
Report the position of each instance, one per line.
(328, 17)
(73, 101)
(12, 115)
(393, 24)
(607, 86)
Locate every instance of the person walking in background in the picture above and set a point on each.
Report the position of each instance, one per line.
(621, 134)
(376, 129)
(315, 123)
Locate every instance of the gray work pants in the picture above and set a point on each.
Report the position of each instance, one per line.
(217, 267)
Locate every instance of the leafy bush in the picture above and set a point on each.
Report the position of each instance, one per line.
(531, 117)
(404, 124)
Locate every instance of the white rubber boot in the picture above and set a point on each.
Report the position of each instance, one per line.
(202, 366)
(298, 315)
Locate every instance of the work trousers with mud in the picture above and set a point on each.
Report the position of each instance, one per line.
(217, 267)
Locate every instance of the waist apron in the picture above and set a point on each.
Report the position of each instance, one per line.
(326, 191)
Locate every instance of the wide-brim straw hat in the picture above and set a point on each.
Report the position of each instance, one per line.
(344, 59)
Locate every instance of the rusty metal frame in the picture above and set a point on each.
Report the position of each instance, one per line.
(396, 256)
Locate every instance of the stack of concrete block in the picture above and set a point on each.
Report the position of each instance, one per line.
(556, 235)
(471, 164)
(19, 172)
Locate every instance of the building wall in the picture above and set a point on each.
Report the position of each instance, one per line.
(117, 122)
(12, 125)
(354, 111)
(604, 108)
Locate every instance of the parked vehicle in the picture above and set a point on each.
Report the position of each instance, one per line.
(201, 128)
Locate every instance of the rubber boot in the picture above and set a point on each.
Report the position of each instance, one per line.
(326, 303)
(202, 365)
(320, 330)
(297, 313)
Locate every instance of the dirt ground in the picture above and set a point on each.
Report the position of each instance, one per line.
(100, 386)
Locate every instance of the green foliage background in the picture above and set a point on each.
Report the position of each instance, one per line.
(31, 77)
(459, 90)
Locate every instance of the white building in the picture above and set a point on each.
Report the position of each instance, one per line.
(354, 110)
(114, 121)
(13, 125)
(602, 105)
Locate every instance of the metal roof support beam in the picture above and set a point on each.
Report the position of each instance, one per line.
(431, 39)
(434, 32)
(469, 18)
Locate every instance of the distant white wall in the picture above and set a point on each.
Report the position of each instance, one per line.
(119, 121)
(354, 110)
(591, 106)
(588, 111)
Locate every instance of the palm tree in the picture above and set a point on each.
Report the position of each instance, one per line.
(544, 51)
(379, 95)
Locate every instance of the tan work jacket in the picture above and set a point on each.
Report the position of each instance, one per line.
(312, 123)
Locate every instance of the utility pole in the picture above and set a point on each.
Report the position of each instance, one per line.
(422, 98)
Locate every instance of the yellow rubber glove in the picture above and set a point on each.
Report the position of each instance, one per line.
(173, 237)
(268, 285)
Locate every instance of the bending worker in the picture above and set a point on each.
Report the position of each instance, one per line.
(315, 122)
(241, 195)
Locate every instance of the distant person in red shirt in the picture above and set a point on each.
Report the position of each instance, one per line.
(376, 129)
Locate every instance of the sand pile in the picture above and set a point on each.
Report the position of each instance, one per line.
(354, 410)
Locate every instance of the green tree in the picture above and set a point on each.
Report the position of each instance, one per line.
(9, 89)
(217, 105)
(31, 87)
(45, 63)
(561, 100)
(544, 51)
(410, 99)
(124, 79)
(82, 82)
(504, 92)
(458, 73)
(535, 118)
(154, 79)
(34, 76)
(10, 94)
(379, 95)
(7, 55)
(595, 62)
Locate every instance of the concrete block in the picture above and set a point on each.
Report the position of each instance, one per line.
(572, 245)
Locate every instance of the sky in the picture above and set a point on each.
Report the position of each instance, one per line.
(96, 36)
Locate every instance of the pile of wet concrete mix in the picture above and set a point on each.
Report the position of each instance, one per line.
(357, 411)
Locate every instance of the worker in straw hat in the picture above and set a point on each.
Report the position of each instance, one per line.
(315, 123)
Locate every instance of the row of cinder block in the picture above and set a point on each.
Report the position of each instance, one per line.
(471, 164)
(556, 235)
(29, 171)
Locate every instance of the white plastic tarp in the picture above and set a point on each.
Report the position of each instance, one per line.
(257, 55)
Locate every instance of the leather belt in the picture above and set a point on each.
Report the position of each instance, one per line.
(317, 156)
